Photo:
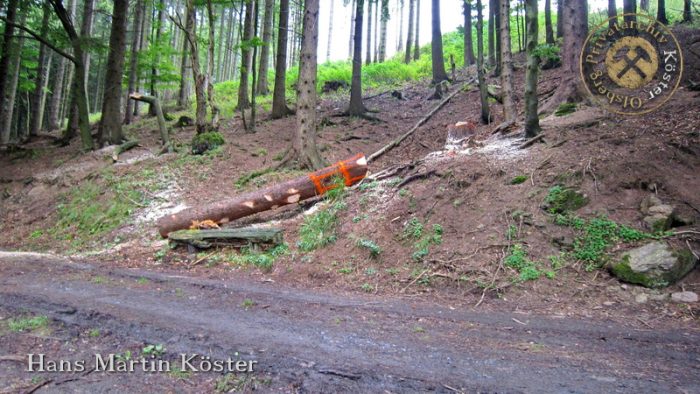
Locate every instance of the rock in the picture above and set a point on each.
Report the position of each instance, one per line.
(658, 297)
(653, 265)
(648, 202)
(641, 298)
(684, 296)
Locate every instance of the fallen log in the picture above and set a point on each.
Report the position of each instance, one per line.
(350, 171)
(238, 237)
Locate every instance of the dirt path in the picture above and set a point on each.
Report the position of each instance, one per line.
(313, 342)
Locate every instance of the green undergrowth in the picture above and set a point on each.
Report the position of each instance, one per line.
(319, 229)
(527, 269)
(596, 236)
(264, 260)
(93, 209)
(26, 324)
(422, 239)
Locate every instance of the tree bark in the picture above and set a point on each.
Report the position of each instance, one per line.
(409, 37)
(305, 141)
(468, 45)
(7, 53)
(8, 100)
(134, 60)
(110, 129)
(687, 12)
(271, 197)
(38, 95)
(629, 7)
(509, 111)
(352, 28)
(560, 18)
(661, 12)
(210, 69)
(279, 96)
(368, 56)
(399, 45)
(156, 59)
(497, 38)
(493, 4)
(439, 73)
(483, 91)
(416, 45)
(570, 87)
(644, 5)
(549, 30)
(382, 35)
(262, 85)
(357, 107)
(532, 121)
(246, 57)
(183, 100)
(330, 32)
(199, 77)
(612, 12)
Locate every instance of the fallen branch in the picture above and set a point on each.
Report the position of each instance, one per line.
(421, 122)
(414, 281)
(155, 103)
(531, 141)
(414, 177)
(123, 148)
(377, 95)
(227, 237)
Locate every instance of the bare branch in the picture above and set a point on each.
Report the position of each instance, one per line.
(39, 38)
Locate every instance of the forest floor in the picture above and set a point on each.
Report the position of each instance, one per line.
(412, 294)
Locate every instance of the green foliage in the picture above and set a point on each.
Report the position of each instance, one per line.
(519, 179)
(565, 109)
(519, 261)
(547, 53)
(414, 230)
(155, 350)
(248, 303)
(366, 287)
(263, 260)
(318, 229)
(207, 141)
(28, 323)
(561, 199)
(374, 249)
(596, 236)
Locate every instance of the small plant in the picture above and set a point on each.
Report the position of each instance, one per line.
(418, 329)
(179, 373)
(123, 356)
(519, 261)
(94, 333)
(424, 241)
(263, 260)
(565, 109)
(370, 271)
(28, 323)
(154, 350)
(404, 192)
(98, 280)
(364, 186)
(413, 229)
(512, 232)
(367, 288)
(561, 200)
(519, 179)
(349, 269)
(206, 142)
(259, 152)
(36, 234)
(374, 249)
(142, 281)
(248, 303)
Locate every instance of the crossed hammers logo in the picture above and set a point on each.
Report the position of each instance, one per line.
(632, 63)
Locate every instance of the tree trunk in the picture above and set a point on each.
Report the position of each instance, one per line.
(687, 12)
(54, 107)
(85, 34)
(352, 28)
(7, 54)
(162, 127)
(110, 129)
(508, 90)
(629, 7)
(570, 87)
(493, 4)
(200, 80)
(483, 93)
(357, 107)
(156, 59)
(305, 141)
(38, 95)
(416, 45)
(368, 56)
(210, 69)
(532, 121)
(243, 101)
(262, 85)
(497, 37)
(468, 45)
(549, 30)
(225, 76)
(8, 101)
(661, 12)
(560, 18)
(279, 96)
(409, 39)
(382, 35)
(218, 76)
(134, 60)
(399, 45)
(612, 12)
(330, 32)
(439, 73)
(376, 30)
(183, 100)
(271, 197)
(644, 5)
(251, 126)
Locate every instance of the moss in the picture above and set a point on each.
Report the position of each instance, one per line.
(565, 109)
(206, 141)
(560, 200)
(623, 271)
(519, 179)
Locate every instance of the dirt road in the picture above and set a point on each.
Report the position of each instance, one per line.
(312, 342)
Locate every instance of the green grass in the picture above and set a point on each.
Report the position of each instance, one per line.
(374, 249)
(414, 230)
(28, 323)
(263, 260)
(319, 229)
(527, 269)
(519, 179)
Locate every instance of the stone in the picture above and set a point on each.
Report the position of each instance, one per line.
(658, 297)
(653, 265)
(648, 202)
(684, 296)
(641, 298)
(658, 222)
(564, 199)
